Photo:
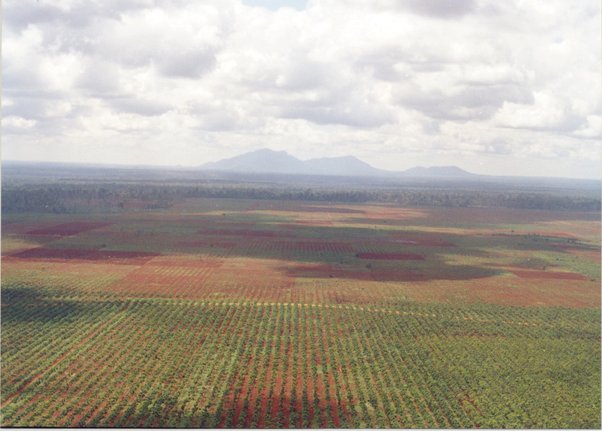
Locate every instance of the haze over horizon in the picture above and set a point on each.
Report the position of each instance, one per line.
(508, 88)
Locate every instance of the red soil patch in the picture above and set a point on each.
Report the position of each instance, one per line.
(68, 228)
(127, 257)
(242, 232)
(553, 275)
(390, 256)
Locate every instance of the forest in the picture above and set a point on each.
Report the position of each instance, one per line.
(60, 191)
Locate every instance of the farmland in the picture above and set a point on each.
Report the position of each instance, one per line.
(216, 312)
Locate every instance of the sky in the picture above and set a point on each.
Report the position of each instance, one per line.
(509, 87)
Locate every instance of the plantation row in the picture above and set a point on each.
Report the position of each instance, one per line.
(153, 362)
(242, 279)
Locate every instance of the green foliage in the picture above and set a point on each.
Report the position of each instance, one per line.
(502, 367)
(120, 195)
(81, 348)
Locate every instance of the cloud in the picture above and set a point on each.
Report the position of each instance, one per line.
(546, 113)
(100, 78)
(139, 106)
(396, 82)
(72, 13)
(464, 103)
(13, 122)
(591, 128)
(177, 43)
(439, 8)
(277, 4)
(357, 116)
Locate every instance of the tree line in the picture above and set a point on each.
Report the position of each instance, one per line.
(73, 197)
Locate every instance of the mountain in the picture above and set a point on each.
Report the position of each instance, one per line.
(259, 161)
(280, 162)
(437, 172)
(347, 165)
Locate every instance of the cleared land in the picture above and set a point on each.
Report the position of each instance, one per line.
(253, 313)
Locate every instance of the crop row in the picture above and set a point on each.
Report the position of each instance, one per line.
(219, 364)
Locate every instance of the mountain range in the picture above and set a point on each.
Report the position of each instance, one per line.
(280, 162)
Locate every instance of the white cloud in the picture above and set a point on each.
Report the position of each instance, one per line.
(547, 112)
(14, 122)
(592, 128)
(395, 82)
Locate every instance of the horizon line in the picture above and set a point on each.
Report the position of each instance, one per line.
(199, 168)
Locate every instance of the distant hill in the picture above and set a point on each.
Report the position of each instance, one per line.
(437, 171)
(280, 162)
(347, 165)
(259, 161)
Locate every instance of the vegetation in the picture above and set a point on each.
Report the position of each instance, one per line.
(214, 312)
(193, 364)
(24, 191)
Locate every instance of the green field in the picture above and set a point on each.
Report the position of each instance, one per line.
(258, 313)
